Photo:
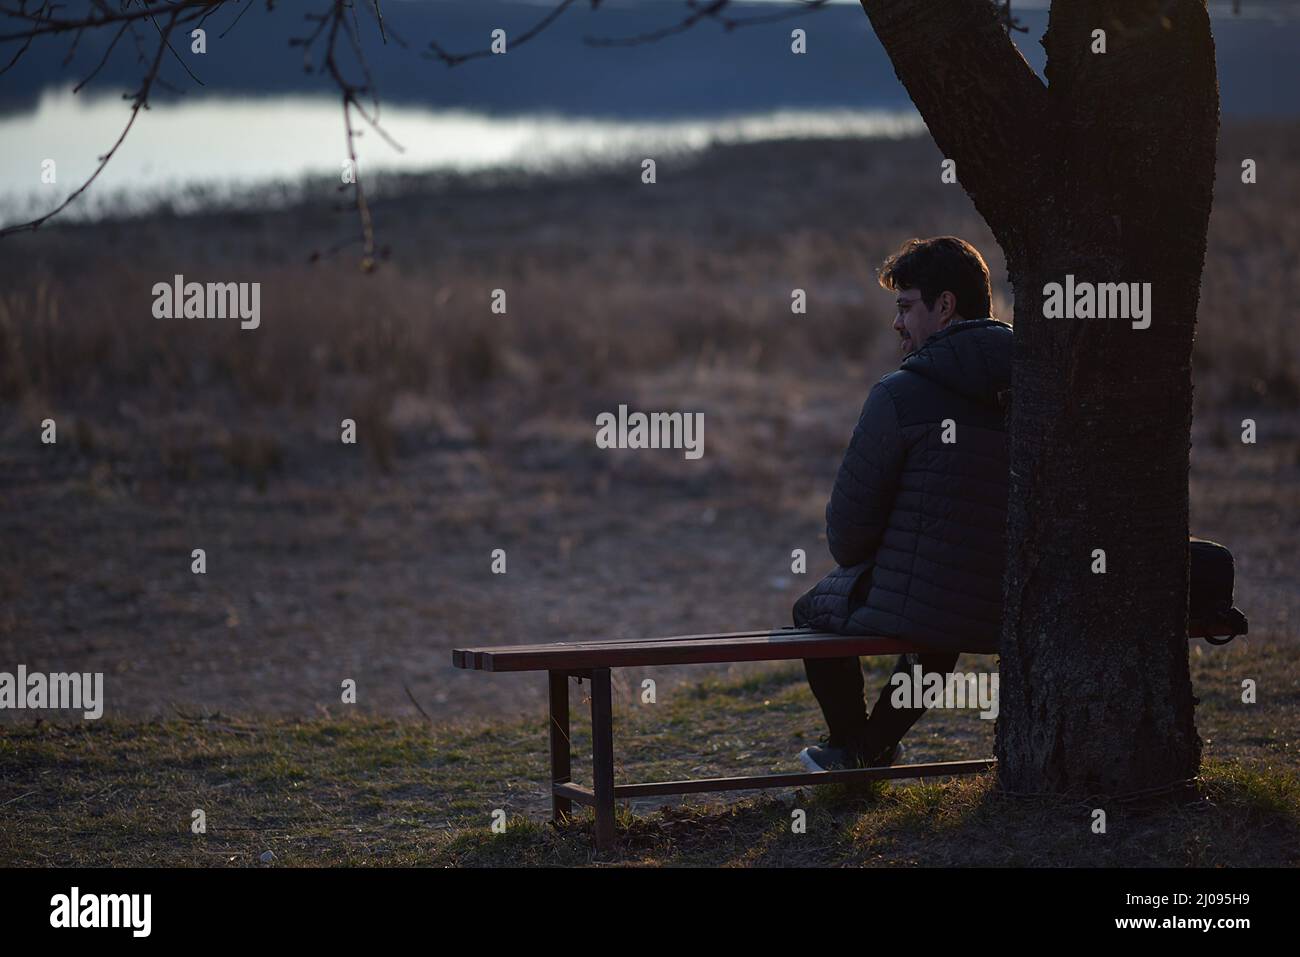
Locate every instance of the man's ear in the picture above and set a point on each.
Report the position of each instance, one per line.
(947, 308)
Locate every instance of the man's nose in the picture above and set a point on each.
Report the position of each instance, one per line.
(898, 324)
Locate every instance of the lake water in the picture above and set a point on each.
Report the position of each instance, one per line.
(229, 144)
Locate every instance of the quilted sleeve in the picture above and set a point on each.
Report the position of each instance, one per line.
(867, 482)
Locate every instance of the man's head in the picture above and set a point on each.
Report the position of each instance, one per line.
(939, 281)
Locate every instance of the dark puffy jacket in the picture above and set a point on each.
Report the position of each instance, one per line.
(916, 524)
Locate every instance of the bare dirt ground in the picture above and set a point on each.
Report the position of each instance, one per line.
(371, 562)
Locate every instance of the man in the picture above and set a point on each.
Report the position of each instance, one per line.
(916, 518)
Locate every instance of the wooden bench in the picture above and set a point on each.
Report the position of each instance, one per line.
(593, 660)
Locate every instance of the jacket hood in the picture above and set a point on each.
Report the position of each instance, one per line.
(971, 358)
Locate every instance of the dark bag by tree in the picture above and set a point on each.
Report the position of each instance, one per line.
(1212, 576)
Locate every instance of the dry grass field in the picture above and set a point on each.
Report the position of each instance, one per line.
(476, 430)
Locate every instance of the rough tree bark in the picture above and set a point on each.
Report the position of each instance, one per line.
(1106, 173)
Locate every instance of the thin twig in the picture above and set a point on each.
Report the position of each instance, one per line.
(107, 54)
(417, 704)
(454, 59)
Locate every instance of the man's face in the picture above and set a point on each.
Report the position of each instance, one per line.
(915, 323)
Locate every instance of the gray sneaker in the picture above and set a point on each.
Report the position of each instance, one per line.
(823, 757)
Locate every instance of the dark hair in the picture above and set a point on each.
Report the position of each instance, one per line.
(942, 264)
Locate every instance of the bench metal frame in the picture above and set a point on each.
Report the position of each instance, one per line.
(604, 792)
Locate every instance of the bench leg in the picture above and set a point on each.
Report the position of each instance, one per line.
(561, 807)
(602, 754)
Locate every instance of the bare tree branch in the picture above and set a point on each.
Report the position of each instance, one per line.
(140, 101)
(985, 107)
(233, 23)
(50, 25)
(18, 54)
(107, 53)
(713, 10)
(184, 66)
(338, 22)
(334, 25)
(454, 59)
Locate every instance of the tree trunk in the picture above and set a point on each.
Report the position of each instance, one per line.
(1105, 174)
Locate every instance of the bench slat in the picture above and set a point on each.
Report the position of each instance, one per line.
(760, 646)
(770, 645)
(468, 658)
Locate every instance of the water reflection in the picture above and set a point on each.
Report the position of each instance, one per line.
(228, 144)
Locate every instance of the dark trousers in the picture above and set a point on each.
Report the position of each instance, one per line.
(837, 684)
